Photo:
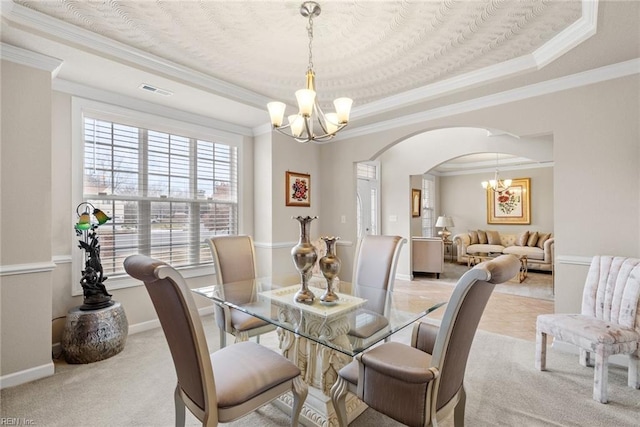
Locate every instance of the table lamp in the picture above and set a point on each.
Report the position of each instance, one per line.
(444, 222)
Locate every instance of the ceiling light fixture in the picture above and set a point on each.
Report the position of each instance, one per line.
(301, 125)
(496, 184)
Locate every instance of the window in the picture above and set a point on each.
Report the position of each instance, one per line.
(368, 203)
(428, 206)
(165, 192)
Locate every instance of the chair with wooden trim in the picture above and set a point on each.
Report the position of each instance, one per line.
(227, 384)
(609, 322)
(421, 384)
(234, 260)
(376, 259)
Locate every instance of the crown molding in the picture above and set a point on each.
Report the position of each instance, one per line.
(566, 40)
(69, 33)
(30, 59)
(585, 78)
(571, 36)
(575, 34)
(88, 92)
(481, 169)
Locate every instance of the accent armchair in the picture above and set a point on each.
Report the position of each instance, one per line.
(609, 322)
(421, 384)
(222, 386)
(234, 258)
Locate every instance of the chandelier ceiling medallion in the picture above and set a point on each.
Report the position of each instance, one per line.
(496, 184)
(310, 117)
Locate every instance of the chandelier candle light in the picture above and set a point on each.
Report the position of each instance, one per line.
(301, 125)
(496, 184)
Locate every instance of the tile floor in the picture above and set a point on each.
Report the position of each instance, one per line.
(505, 314)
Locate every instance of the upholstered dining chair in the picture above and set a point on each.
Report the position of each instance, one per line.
(222, 386)
(375, 262)
(609, 322)
(422, 383)
(234, 259)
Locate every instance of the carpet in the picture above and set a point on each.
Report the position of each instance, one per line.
(135, 388)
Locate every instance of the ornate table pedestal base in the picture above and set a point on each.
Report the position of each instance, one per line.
(319, 365)
(318, 409)
(93, 335)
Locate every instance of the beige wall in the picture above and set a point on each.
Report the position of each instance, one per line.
(465, 200)
(25, 222)
(595, 142)
(595, 139)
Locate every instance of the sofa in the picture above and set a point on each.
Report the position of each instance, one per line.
(537, 246)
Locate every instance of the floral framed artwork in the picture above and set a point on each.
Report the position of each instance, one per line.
(297, 187)
(512, 206)
(416, 200)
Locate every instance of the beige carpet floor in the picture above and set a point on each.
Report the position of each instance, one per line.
(135, 388)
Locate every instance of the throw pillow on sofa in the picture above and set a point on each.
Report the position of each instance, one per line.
(473, 237)
(493, 237)
(533, 239)
(543, 238)
(482, 237)
(522, 238)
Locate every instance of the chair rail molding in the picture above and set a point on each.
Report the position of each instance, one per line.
(29, 268)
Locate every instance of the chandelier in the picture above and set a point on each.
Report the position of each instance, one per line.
(496, 184)
(310, 123)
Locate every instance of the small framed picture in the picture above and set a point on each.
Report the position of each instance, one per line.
(297, 187)
(416, 201)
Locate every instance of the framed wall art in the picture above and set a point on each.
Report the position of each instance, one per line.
(416, 201)
(297, 187)
(512, 206)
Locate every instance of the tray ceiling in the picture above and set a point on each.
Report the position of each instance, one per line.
(366, 50)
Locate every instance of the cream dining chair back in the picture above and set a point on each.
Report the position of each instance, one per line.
(421, 384)
(375, 262)
(609, 322)
(221, 386)
(234, 259)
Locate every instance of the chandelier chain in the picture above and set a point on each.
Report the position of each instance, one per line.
(310, 33)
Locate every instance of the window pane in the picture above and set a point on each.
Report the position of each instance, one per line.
(179, 191)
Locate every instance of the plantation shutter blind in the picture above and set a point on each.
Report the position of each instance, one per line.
(165, 193)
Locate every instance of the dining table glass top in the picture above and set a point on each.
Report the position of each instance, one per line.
(360, 318)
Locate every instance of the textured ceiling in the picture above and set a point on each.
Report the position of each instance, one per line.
(366, 50)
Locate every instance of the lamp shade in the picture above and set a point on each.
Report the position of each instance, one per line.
(445, 221)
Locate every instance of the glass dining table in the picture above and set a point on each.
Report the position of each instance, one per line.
(322, 338)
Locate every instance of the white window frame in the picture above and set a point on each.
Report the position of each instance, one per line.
(428, 205)
(81, 107)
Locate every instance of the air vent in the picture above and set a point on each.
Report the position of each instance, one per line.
(154, 89)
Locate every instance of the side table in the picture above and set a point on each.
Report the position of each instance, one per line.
(93, 335)
(448, 249)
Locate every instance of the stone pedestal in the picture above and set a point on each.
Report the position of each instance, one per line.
(90, 336)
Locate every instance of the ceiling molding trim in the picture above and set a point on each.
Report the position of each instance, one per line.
(262, 129)
(491, 170)
(30, 59)
(88, 92)
(585, 78)
(571, 36)
(40, 22)
(436, 90)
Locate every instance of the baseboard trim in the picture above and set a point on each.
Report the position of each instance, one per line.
(27, 375)
(56, 348)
